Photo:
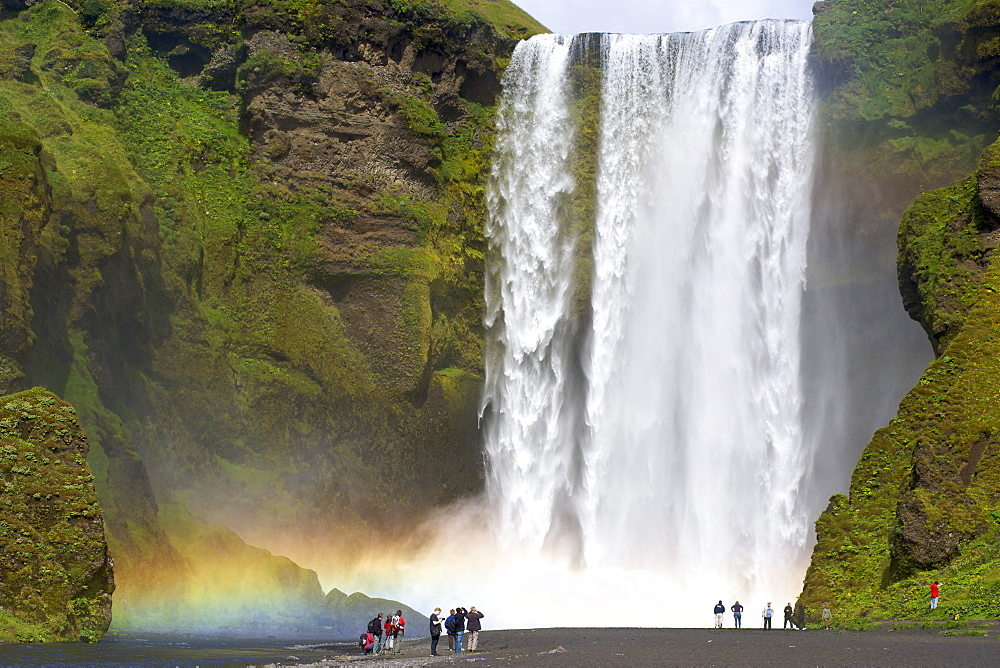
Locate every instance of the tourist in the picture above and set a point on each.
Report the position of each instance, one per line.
(935, 590)
(400, 624)
(388, 635)
(827, 616)
(449, 626)
(737, 615)
(459, 628)
(767, 614)
(720, 610)
(435, 630)
(375, 628)
(473, 627)
(788, 616)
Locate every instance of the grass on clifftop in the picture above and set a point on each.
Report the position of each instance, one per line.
(507, 17)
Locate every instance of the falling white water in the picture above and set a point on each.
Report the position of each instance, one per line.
(663, 443)
(533, 439)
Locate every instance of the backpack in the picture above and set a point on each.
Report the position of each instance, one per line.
(373, 627)
(449, 624)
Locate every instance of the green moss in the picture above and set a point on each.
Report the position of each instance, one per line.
(265, 67)
(55, 575)
(940, 258)
(916, 512)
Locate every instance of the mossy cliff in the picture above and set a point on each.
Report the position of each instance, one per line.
(923, 500)
(245, 241)
(56, 576)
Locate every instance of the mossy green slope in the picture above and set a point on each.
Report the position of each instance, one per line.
(168, 270)
(909, 101)
(56, 576)
(923, 501)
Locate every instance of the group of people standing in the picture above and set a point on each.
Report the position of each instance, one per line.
(766, 614)
(457, 624)
(385, 634)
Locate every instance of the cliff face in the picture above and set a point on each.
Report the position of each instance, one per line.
(923, 499)
(56, 576)
(245, 242)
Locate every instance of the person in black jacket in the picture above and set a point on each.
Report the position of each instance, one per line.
(788, 617)
(375, 628)
(459, 628)
(474, 626)
(435, 630)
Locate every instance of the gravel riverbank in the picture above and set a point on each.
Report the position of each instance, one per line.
(912, 646)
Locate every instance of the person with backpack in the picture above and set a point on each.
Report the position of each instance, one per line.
(449, 626)
(400, 624)
(474, 627)
(375, 628)
(459, 628)
(435, 630)
(367, 641)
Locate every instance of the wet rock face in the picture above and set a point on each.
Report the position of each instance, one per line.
(339, 122)
(56, 577)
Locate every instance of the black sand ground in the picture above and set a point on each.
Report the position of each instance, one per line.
(706, 647)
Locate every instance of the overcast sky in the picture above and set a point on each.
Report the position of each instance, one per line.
(655, 16)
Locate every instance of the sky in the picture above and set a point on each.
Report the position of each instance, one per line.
(657, 16)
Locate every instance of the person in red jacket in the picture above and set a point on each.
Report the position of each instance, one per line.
(388, 636)
(935, 590)
(400, 625)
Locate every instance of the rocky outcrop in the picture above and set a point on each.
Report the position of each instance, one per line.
(56, 577)
(947, 240)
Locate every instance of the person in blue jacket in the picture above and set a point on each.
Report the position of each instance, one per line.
(737, 615)
(720, 610)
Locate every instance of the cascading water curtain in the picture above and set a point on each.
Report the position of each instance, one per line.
(683, 452)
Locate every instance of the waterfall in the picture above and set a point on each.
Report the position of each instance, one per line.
(646, 415)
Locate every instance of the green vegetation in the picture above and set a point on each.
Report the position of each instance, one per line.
(55, 574)
(178, 269)
(909, 101)
(941, 259)
(507, 17)
(897, 58)
(923, 499)
(911, 80)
